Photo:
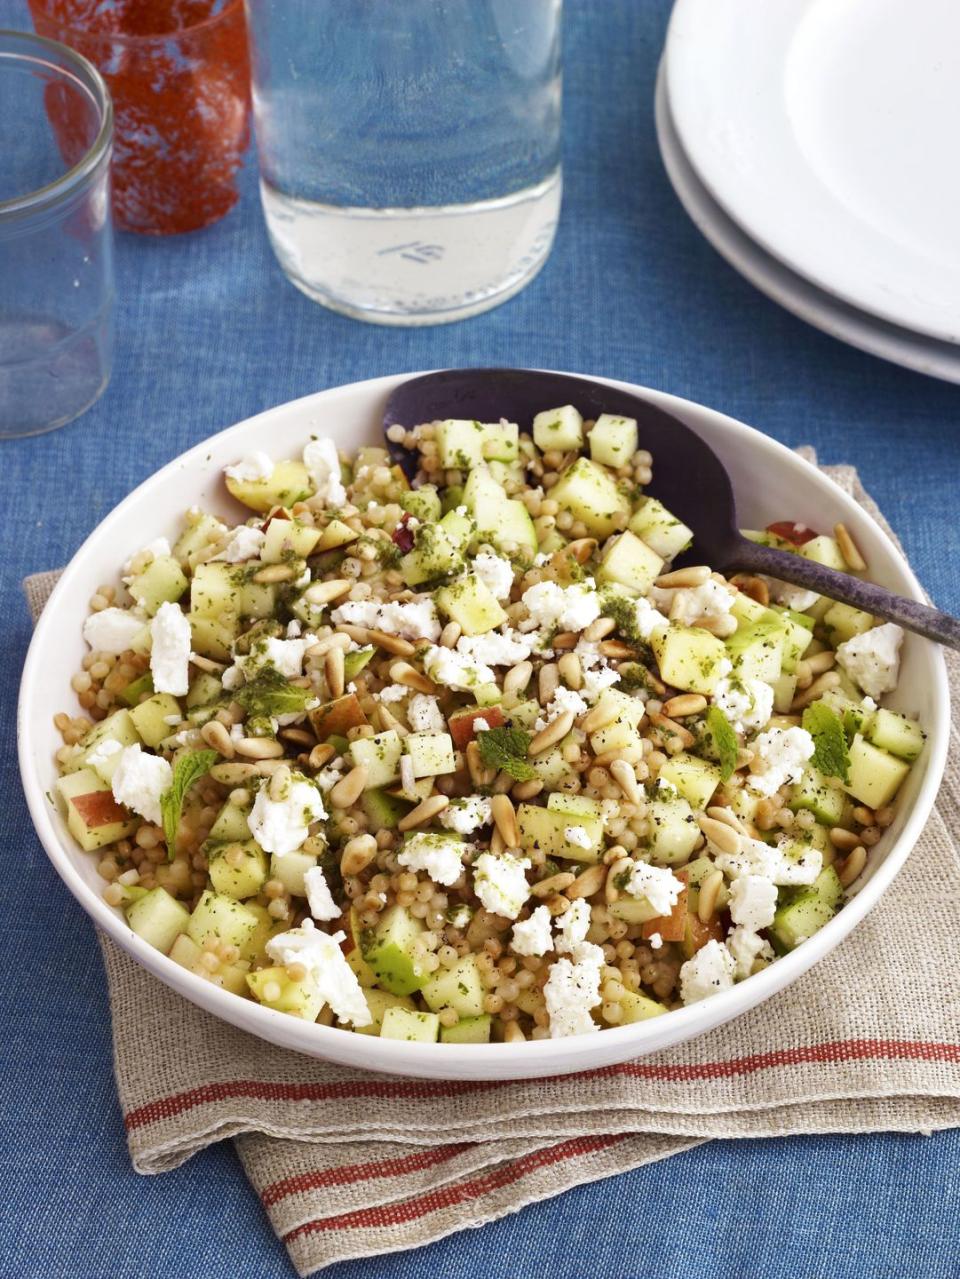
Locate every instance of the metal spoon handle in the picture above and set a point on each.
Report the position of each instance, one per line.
(752, 557)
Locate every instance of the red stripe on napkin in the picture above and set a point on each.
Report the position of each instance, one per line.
(360, 1172)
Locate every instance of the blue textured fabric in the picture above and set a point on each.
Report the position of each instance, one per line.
(209, 332)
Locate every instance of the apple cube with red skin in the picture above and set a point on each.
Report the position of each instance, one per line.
(94, 817)
(671, 927)
(335, 718)
(461, 725)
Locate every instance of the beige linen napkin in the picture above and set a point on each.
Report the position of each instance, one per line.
(349, 1164)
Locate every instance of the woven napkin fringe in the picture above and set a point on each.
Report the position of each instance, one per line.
(349, 1164)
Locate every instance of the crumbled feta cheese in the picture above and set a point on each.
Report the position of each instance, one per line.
(425, 715)
(746, 703)
(232, 677)
(568, 608)
(747, 947)
(447, 667)
(294, 629)
(139, 780)
(319, 898)
(467, 815)
(573, 926)
(480, 725)
(172, 720)
(253, 466)
(284, 655)
(532, 936)
(577, 835)
(646, 618)
(572, 989)
(326, 967)
(790, 596)
(595, 681)
(102, 753)
(393, 693)
(328, 777)
(496, 648)
(687, 604)
(657, 884)
(281, 825)
(795, 868)
(438, 855)
(564, 699)
(414, 619)
(159, 546)
(495, 573)
(501, 883)
(112, 630)
(321, 460)
(776, 863)
(655, 940)
(753, 902)
(170, 650)
(872, 659)
(784, 753)
(460, 916)
(243, 543)
(710, 970)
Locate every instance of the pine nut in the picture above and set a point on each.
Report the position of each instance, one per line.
(684, 704)
(696, 575)
(326, 592)
(821, 662)
(622, 866)
(755, 588)
(497, 846)
(623, 774)
(299, 736)
(804, 675)
(557, 905)
(357, 854)
(709, 891)
(728, 817)
(829, 679)
(528, 790)
(616, 649)
(334, 672)
(215, 734)
(863, 815)
(564, 640)
(720, 835)
(388, 721)
(845, 840)
(207, 664)
(360, 634)
(548, 682)
(852, 865)
(603, 713)
(588, 882)
(554, 732)
(517, 679)
(503, 782)
(671, 726)
(258, 747)
(505, 818)
(403, 673)
(348, 788)
(480, 775)
(553, 884)
(233, 774)
(320, 755)
(450, 634)
(581, 549)
(571, 672)
(424, 812)
(599, 629)
(849, 549)
(722, 627)
(275, 573)
(279, 783)
(323, 646)
(395, 644)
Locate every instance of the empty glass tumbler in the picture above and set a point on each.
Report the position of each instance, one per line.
(56, 264)
(409, 151)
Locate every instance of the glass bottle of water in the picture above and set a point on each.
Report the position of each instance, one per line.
(409, 149)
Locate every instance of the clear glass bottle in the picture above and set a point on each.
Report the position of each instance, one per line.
(409, 152)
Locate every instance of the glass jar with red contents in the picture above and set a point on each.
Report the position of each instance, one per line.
(179, 75)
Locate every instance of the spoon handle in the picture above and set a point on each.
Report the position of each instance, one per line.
(752, 557)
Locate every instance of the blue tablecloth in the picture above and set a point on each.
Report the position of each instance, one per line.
(210, 332)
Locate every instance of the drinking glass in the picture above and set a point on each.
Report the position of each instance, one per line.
(409, 152)
(179, 75)
(56, 263)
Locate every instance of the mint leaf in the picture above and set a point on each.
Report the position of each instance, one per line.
(270, 693)
(505, 749)
(724, 741)
(187, 770)
(830, 751)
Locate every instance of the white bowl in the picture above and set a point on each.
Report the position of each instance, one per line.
(770, 483)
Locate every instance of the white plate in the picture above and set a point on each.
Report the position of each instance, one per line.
(792, 291)
(770, 483)
(827, 130)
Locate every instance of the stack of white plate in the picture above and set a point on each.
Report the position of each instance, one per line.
(814, 143)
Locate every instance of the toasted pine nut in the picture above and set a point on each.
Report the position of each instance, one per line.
(404, 673)
(564, 640)
(215, 734)
(320, 755)
(527, 790)
(553, 884)
(388, 721)
(829, 679)
(517, 679)
(258, 747)
(395, 644)
(845, 840)
(754, 588)
(804, 675)
(671, 726)
(233, 774)
(480, 775)
(557, 904)
(721, 835)
(423, 812)
(610, 890)
(821, 662)
(556, 730)
(357, 854)
(863, 815)
(279, 783)
(727, 816)
(348, 788)
(512, 1033)
(623, 774)
(852, 865)
(695, 575)
(599, 629)
(505, 818)
(684, 704)
(571, 672)
(588, 882)
(719, 626)
(299, 736)
(207, 664)
(497, 846)
(849, 550)
(548, 682)
(325, 592)
(709, 889)
(603, 713)
(323, 646)
(333, 670)
(450, 634)
(581, 549)
(276, 573)
(616, 649)
(502, 783)
(361, 634)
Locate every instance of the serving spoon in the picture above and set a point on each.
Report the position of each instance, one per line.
(688, 477)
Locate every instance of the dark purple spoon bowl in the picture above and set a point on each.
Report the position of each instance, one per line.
(688, 477)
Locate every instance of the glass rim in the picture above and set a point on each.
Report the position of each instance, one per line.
(120, 37)
(88, 75)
